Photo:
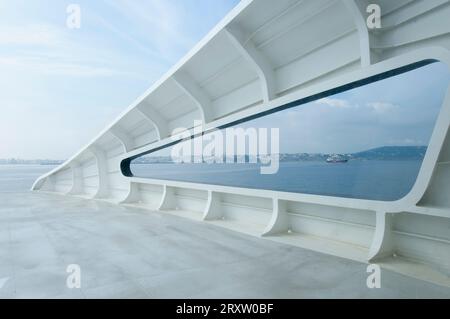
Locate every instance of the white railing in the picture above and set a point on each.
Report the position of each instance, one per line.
(414, 228)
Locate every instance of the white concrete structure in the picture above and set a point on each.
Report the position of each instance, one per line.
(265, 54)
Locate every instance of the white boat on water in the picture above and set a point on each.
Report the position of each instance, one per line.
(336, 159)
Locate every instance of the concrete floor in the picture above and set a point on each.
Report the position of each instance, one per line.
(132, 253)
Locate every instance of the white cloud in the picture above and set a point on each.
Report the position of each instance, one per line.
(44, 65)
(162, 22)
(48, 49)
(339, 103)
(377, 107)
(30, 35)
(381, 107)
(124, 35)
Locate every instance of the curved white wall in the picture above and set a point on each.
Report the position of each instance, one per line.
(265, 54)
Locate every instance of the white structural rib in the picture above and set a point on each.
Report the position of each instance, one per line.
(382, 239)
(77, 179)
(363, 32)
(192, 89)
(103, 185)
(262, 66)
(122, 136)
(155, 118)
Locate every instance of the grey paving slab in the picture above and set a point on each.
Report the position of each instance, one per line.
(127, 252)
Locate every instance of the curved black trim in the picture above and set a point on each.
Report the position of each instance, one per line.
(125, 164)
(125, 167)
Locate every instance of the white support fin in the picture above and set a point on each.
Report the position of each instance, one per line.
(262, 66)
(123, 137)
(191, 89)
(354, 7)
(155, 118)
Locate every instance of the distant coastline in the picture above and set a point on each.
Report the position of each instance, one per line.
(379, 153)
(15, 161)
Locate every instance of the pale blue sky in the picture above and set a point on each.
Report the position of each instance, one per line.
(61, 86)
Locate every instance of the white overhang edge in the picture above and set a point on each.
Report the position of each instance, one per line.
(219, 27)
(438, 53)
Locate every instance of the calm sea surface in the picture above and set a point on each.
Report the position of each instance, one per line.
(380, 180)
(371, 179)
(20, 178)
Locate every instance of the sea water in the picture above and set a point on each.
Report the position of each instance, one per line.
(371, 179)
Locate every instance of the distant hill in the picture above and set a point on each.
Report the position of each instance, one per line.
(392, 153)
(380, 153)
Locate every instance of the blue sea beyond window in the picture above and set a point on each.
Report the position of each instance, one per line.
(368, 142)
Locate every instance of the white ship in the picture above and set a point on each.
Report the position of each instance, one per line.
(335, 158)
